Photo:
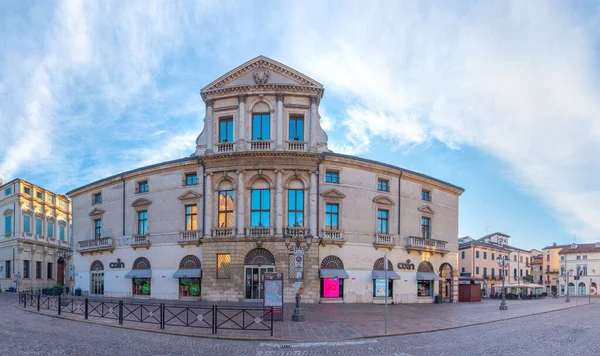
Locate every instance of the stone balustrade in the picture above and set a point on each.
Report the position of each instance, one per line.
(423, 244)
(105, 243)
(223, 232)
(259, 231)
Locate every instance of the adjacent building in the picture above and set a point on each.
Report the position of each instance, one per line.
(551, 267)
(209, 226)
(582, 262)
(35, 226)
(537, 268)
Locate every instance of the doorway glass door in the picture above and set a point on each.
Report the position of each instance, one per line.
(255, 277)
(97, 283)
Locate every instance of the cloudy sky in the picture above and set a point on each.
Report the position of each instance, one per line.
(501, 98)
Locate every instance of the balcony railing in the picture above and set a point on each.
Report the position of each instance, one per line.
(296, 145)
(334, 237)
(259, 231)
(224, 147)
(423, 244)
(383, 240)
(190, 237)
(260, 145)
(105, 243)
(140, 240)
(223, 232)
(296, 230)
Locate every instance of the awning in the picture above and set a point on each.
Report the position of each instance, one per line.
(188, 273)
(381, 275)
(139, 273)
(333, 273)
(428, 276)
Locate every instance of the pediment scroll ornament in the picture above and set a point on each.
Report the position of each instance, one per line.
(261, 75)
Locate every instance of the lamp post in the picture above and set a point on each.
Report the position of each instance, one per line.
(566, 277)
(298, 249)
(503, 263)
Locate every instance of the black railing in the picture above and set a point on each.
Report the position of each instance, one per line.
(213, 317)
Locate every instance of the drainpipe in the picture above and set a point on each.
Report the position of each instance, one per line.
(319, 190)
(203, 194)
(123, 180)
(399, 201)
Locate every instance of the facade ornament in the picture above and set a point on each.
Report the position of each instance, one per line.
(261, 75)
(209, 103)
(279, 96)
(313, 99)
(242, 98)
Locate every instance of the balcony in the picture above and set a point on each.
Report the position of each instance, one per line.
(548, 270)
(224, 147)
(260, 145)
(40, 238)
(140, 241)
(416, 243)
(223, 232)
(62, 242)
(95, 245)
(296, 231)
(384, 240)
(296, 145)
(190, 237)
(259, 231)
(333, 237)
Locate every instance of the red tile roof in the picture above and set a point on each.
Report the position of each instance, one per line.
(581, 248)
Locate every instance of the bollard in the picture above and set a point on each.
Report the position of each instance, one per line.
(39, 301)
(59, 304)
(120, 312)
(86, 309)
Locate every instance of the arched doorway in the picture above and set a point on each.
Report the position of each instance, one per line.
(425, 284)
(60, 271)
(256, 263)
(97, 278)
(581, 288)
(445, 283)
(571, 288)
(142, 282)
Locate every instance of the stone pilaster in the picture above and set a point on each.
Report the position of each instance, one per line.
(241, 123)
(279, 121)
(279, 203)
(312, 201)
(208, 206)
(313, 123)
(209, 125)
(240, 204)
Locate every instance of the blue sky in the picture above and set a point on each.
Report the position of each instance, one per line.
(501, 98)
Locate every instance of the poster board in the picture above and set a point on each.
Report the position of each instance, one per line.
(274, 293)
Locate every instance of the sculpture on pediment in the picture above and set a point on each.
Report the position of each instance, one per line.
(261, 75)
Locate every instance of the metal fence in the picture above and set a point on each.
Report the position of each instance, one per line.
(213, 317)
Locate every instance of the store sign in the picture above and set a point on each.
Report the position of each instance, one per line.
(117, 264)
(274, 293)
(380, 287)
(407, 265)
(331, 287)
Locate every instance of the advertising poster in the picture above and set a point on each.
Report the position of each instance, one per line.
(331, 288)
(380, 287)
(274, 293)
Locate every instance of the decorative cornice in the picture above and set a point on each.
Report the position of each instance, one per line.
(96, 212)
(140, 202)
(333, 194)
(272, 88)
(426, 210)
(313, 99)
(242, 98)
(383, 200)
(225, 108)
(190, 195)
(235, 155)
(279, 96)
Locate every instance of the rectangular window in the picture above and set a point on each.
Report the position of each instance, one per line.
(296, 128)
(260, 207)
(462, 255)
(462, 270)
(332, 212)
(424, 288)
(548, 257)
(142, 222)
(8, 225)
(425, 195)
(521, 259)
(485, 271)
(39, 195)
(27, 191)
(520, 273)
(332, 177)
(49, 271)
(261, 127)
(476, 270)
(50, 229)
(514, 273)
(191, 217)
(27, 223)
(515, 258)
(585, 257)
(143, 187)
(38, 226)
(97, 198)
(578, 257)
(484, 255)
(383, 185)
(26, 269)
(191, 179)
(38, 269)
(585, 270)
(425, 227)
(226, 130)
(476, 254)
(7, 191)
(223, 262)
(8, 269)
(493, 258)
(493, 272)
(51, 200)
(382, 221)
(61, 232)
(98, 228)
(295, 207)
(226, 208)
(379, 287)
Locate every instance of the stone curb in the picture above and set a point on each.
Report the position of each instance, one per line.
(230, 338)
(466, 326)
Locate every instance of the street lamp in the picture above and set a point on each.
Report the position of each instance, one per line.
(298, 249)
(66, 255)
(568, 274)
(503, 263)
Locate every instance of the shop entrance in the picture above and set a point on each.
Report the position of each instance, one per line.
(257, 263)
(97, 278)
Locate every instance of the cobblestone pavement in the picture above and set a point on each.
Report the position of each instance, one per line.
(568, 331)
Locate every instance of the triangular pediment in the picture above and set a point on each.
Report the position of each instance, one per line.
(332, 194)
(141, 202)
(261, 71)
(8, 212)
(426, 209)
(96, 211)
(383, 200)
(190, 195)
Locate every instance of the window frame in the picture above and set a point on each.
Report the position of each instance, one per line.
(426, 227)
(97, 229)
(335, 214)
(296, 119)
(8, 225)
(142, 222)
(49, 271)
(7, 191)
(189, 175)
(220, 268)
(39, 229)
(27, 227)
(383, 220)
(426, 195)
(50, 229)
(261, 210)
(295, 211)
(262, 126)
(62, 232)
(329, 174)
(383, 185)
(142, 186)
(97, 198)
(193, 217)
(229, 131)
(26, 269)
(27, 190)
(227, 210)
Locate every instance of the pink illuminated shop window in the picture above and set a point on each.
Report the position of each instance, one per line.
(331, 288)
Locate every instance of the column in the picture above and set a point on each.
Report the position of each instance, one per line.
(313, 123)
(279, 121)
(241, 223)
(208, 123)
(313, 203)
(279, 203)
(241, 137)
(208, 206)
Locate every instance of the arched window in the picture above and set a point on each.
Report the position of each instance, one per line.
(226, 201)
(97, 266)
(378, 265)
(190, 261)
(581, 288)
(261, 122)
(332, 262)
(259, 257)
(296, 203)
(260, 206)
(141, 263)
(425, 266)
(571, 288)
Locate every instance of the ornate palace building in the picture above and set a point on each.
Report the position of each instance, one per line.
(35, 236)
(210, 225)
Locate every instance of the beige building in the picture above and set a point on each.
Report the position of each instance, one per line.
(551, 267)
(537, 268)
(583, 263)
(35, 226)
(210, 225)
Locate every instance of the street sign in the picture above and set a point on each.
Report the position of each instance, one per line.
(594, 290)
(298, 262)
(274, 293)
